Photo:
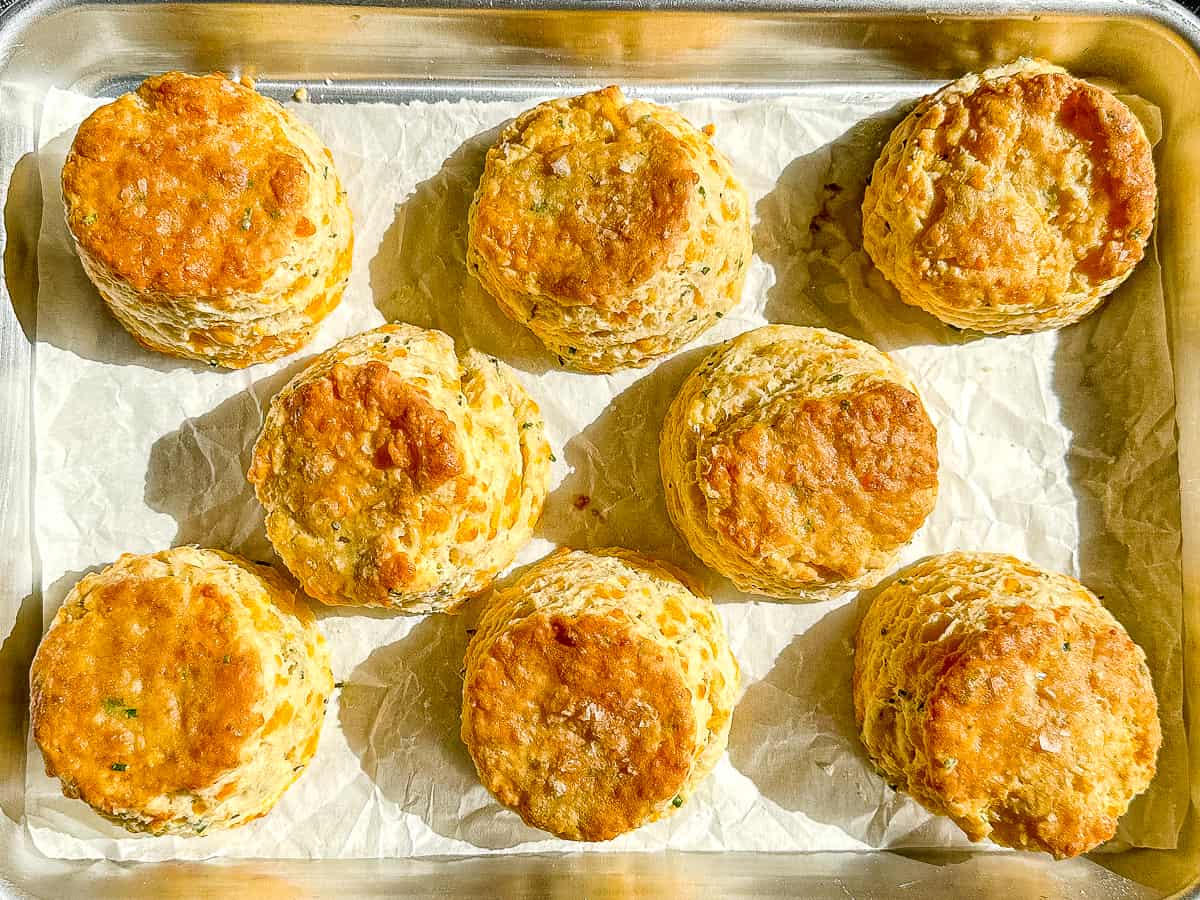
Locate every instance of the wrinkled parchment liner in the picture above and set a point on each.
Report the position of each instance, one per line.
(1055, 447)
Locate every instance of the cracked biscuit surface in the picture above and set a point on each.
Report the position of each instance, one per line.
(1013, 200)
(180, 692)
(1007, 698)
(598, 693)
(396, 473)
(797, 462)
(613, 229)
(211, 220)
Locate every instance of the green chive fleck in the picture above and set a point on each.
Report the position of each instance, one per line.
(118, 767)
(720, 315)
(704, 270)
(246, 220)
(703, 193)
(131, 713)
(89, 219)
(1066, 645)
(553, 458)
(678, 801)
(525, 426)
(949, 762)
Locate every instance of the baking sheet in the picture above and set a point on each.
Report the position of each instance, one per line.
(1056, 447)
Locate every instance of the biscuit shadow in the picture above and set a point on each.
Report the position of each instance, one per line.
(401, 712)
(197, 473)
(22, 222)
(613, 495)
(810, 231)
(794, 735)
(1113, 378)
(420, 274)
(16, 657)
(70, 313)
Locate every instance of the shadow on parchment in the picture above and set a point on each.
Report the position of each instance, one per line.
(197, 473)
(613, 494)
(810, 231)
(22, 223)
(420, 273)
(795, 736)
(401, 712)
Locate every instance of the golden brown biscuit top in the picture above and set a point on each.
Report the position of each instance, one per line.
(1049, 719)
(580, 725)
(143, 689)
(362, 445)
(823, 481)
(587, 197)
(1024, 169)
(188, 186)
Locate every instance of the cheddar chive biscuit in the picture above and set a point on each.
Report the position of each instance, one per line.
(1013, 200)
(180, 692)
(613, 229)
(210, 219)
(1007, 698)
(598, 693)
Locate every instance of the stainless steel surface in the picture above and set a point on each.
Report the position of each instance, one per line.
(353, 52)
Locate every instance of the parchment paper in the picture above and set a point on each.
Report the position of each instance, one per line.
(1055, 447)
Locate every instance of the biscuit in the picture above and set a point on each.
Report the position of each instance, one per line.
(180, 692)
(395, 473)
(797, 462)
(613, 229)
(211, 220)
(1008, 699)
(1013, 200)
(598, 693)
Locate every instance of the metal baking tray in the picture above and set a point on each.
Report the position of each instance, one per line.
(399, 51)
